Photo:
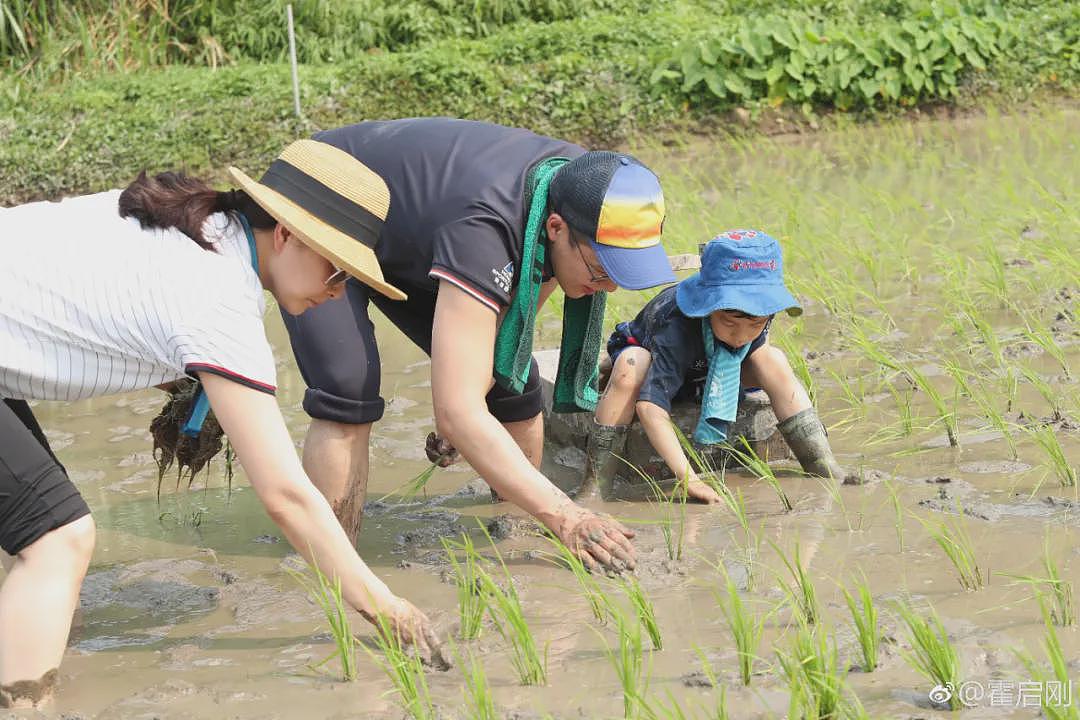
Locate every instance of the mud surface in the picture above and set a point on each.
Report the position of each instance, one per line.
(189, 609)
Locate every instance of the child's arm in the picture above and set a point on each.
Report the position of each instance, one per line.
(657, 424)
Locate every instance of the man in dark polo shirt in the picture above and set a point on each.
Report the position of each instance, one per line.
(453, 243)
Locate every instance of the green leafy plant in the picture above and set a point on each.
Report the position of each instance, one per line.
(951, 536)
(471, 599)
(327, 595)
(864, 615)
(644, 610)
(404, 669)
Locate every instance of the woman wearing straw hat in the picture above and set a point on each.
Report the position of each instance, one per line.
(485, 222)
(170, 286)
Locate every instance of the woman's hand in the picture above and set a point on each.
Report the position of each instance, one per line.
(411, 626)
(600, 541)
(440, 451)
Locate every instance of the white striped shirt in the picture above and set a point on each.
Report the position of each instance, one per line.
(91, 304)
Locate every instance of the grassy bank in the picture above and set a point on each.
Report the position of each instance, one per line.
(598, 79)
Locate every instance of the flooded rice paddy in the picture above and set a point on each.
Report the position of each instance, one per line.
(939, 265)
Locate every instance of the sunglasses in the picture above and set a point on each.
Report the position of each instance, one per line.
(336, 278)
(594, 276)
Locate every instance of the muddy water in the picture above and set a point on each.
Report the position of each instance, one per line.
(189, 611)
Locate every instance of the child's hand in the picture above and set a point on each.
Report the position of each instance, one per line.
(702, 492)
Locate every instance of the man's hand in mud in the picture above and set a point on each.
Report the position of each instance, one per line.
(440, 451)
(412, 627)
(601, 542)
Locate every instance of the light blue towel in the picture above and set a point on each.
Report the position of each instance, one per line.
(720, 402)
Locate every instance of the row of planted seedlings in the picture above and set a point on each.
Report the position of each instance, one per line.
(809, 662)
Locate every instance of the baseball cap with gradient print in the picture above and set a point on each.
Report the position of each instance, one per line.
(617, 203)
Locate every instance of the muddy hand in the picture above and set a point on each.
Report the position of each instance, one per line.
(412, 627)
(601, 542)
(440, 451)
(699, 491)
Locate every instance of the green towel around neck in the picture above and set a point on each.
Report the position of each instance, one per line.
(583, 318)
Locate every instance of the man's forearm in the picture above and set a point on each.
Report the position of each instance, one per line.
(496, 456)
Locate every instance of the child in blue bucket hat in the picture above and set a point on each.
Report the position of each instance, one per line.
(705, 338)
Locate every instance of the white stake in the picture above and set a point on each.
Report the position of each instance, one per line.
(292, 61)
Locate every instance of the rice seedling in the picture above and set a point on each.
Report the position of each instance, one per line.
(752, 462)
(1057, 702)
(1050, 395)
(644, 610)
(471, 600)
(504, 609)
(327, 595)
(1056, 462)
(598, 600)
(801, 592)
(995, 279)
(1062, 607)
(996, 419)
(833, 490)
(898, 514)
(745, 629)
(951, 536)
(945, 415)
(798, 364)
(629, 664)
(865, 617)
(1041, 336)
(418, 484)
(932, 654)
(814, 676)
(404, 669)
(478, 700)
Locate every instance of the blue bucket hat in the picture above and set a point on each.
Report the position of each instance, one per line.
(740, 270)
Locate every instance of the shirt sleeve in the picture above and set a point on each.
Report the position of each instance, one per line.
(671, 358)
(224, 335)
(474, 253)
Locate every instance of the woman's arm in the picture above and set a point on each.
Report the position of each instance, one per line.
(462, 350)
(255, 428)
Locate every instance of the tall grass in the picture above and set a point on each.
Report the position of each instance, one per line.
(932, 654)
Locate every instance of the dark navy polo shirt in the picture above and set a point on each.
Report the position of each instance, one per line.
(456, 200)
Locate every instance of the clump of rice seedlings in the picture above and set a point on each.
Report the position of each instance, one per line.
(1062, 608)
(327, 595)
(945, 415)
(801, 591)
(865, 617)
(746, 630)
(1050, 395)
(629, 663)
(1057, 686)
(410, 489)
(599, 602)
(504, 609)
(1056, 461)
(672, 510)
(644, 610)
(951, 536)
(814, 675)
(1041, 336)
(995, 280)
(471, 600)
(903, 408)
(478, 701)
(932, 654)
(751, 461)
(404, 669)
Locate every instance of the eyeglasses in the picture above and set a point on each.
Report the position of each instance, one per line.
(593, 275)
(336, 278)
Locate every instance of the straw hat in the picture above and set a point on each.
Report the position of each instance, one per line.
(330, 200)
